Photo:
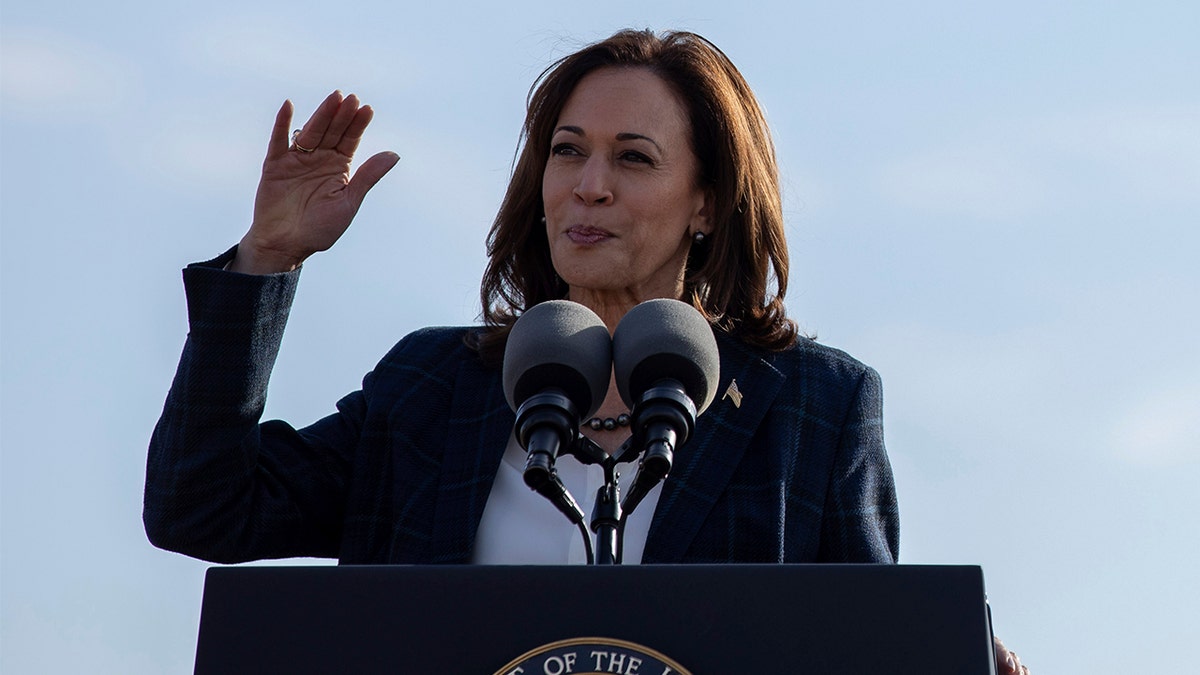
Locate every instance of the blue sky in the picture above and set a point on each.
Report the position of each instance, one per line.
(995, 205)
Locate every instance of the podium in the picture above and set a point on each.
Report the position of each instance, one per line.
(633, 620)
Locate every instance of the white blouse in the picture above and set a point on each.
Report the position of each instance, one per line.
(521, 527)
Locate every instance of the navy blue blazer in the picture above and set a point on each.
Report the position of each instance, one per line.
(793, 472)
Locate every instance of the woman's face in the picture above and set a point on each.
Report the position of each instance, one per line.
(621, 189)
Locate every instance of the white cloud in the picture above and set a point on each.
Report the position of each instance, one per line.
(1145, 154)
(49, 75)
(1162, 429)
(219, 163)
(1153, 152)
(983, 180)
(200, 151)
(441, 179)
(977, 395)
(285, 50)
(1067, 389)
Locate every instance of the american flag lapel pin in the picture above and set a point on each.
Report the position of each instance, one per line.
(733, 394)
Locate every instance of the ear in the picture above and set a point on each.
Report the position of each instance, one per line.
(702, 219)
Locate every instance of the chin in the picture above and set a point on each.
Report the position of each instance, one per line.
(596, 275)
(593, 285)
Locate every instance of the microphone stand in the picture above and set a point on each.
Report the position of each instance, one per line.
(606, 517)
(548, 421)
(608, 514)
(663, 420)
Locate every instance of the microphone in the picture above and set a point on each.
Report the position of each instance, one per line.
(667, 368)
(557, 365)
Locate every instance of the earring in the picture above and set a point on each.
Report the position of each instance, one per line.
(698, 237)
(543, 220)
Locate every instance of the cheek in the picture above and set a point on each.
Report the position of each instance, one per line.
(545, 191)
(555, 187)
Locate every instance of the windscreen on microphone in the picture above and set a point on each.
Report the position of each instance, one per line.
(666, 339)
(558, 344)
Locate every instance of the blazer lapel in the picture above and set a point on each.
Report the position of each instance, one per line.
(479, 426)
(704, 465)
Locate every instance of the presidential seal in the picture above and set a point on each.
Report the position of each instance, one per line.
(592, 656)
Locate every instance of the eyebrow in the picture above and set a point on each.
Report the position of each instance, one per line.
(623, 136)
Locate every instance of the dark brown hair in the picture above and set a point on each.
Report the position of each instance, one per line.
(728, 277)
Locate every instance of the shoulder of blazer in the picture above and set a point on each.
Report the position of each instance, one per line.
(806, 364)
(435, 355)
(807, 381)
(438, 343)
(813, 366)
(810, 354)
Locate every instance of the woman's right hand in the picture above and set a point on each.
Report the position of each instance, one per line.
(306, 197)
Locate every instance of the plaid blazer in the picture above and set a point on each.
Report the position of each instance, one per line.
(790, 468)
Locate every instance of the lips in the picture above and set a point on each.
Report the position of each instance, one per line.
(584, 234)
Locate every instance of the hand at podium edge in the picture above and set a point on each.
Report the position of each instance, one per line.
(1007, 662)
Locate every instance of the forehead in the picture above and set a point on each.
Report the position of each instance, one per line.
(615, 100)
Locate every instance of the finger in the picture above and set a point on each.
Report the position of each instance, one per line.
(1006, 663)
(354, 131)
(314, 129)
(369, 174)
(341, 120)
(278, 144)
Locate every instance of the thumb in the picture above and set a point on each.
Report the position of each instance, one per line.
(370, 173)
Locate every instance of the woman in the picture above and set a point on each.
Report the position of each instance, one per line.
(647, 172)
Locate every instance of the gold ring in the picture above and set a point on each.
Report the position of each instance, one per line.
(297, 146)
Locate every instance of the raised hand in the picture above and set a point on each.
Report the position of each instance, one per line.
(306, 197)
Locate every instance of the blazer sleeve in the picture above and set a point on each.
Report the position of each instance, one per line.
(220, 486)
(861, 522)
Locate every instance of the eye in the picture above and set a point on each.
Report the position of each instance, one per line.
(564, 149)
(634, 156)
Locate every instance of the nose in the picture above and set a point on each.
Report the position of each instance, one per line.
(594, 186)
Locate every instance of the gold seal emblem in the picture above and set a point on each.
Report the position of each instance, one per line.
(592, 656)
